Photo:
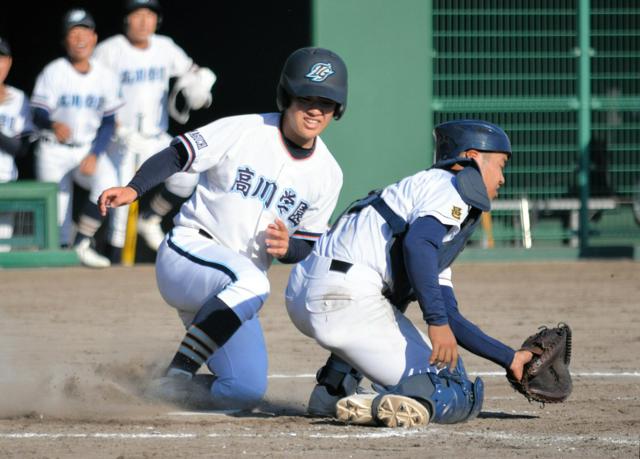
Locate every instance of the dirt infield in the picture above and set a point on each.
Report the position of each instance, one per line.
(77, 345)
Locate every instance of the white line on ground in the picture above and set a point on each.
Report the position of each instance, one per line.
(426, 432)
(583, 374)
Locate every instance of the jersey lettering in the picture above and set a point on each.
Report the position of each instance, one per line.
(78, 101)
(242, 184)
(7, 122)
(297, 214)
(265, 191)
(143, 75)
(286, 201)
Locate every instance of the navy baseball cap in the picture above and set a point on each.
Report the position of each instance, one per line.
(5, 49)
(77, 17)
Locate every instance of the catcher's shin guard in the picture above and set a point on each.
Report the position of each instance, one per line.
(450, 397)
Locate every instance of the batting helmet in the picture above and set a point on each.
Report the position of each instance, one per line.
(455, 137)
(77, 17)
(313, 72)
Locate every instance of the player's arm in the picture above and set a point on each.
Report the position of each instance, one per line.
(99, 145)
(473, 339)
(421, 244)
(15, 146)
(153, 171)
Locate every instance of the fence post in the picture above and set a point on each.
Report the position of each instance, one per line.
(584, 120)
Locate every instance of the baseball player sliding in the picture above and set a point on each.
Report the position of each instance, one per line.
(144, 63)
(267, 187)
(390, 248)
(15, 131)
(74, 103)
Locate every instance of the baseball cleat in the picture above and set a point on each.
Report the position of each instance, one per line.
(151, 231)
(386, 410)
(356, 409)
(89, 257)
(400, 411)
(322, 403)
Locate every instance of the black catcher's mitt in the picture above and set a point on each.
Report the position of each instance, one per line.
(546, 377)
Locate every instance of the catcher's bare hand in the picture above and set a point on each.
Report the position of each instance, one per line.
(520, 359)
(116, 197)
(445, 347)
(277, 239)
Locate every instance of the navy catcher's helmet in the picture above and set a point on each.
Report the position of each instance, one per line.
(455, 137)
(313, 72)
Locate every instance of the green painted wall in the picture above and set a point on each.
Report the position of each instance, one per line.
(385, 133)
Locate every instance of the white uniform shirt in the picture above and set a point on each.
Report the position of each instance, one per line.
(15, 120)
(248, 179)
(79, 100)
(364, 238)
(144, 79)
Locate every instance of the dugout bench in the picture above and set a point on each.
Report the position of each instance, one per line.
(524, 208)
(30, 209)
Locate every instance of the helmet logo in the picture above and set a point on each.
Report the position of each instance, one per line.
(320, 72)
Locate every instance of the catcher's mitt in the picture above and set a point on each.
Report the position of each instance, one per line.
(546, 377)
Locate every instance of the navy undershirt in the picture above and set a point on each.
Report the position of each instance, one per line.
(438, 303)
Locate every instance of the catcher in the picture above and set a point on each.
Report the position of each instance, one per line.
(396, 246)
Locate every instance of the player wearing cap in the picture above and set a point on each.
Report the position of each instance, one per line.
(393, 247)
(74, 102)
(267, 187)
(15, 130)
(144, 62)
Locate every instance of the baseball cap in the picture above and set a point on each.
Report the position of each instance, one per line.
(5, 49)
(77, 17)
(132, 5)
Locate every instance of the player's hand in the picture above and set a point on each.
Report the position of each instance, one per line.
(116, 197)
(61, 131)
(520, 359)
(88, 164)
(277, 239)
(445, 347)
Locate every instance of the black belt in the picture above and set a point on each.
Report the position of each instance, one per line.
(340, 266)
(204, 233)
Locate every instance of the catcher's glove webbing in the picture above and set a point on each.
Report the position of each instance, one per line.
(546, 377)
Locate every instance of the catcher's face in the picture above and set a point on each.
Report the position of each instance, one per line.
(306, 118)
(80, 42)
(492, 166)
(141, 24)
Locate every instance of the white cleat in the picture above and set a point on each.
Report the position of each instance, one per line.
(391, 411)
(151, 231)
(400, 411)
(89, 257)
(356, 409)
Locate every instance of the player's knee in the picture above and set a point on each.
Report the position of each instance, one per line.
(243, 394)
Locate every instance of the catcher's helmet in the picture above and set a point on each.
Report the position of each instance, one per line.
(313, 72)
(455, 137)
(77, 17)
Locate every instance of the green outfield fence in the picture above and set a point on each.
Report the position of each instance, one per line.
(561, 76)
(563, 79)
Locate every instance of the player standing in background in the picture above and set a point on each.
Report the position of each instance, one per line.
(15, 130)
(144, 63)
(267, 187)
(393, 247)
(74, 102)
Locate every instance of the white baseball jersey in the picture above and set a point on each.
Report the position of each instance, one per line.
(144, 79)
(364, 238)
(79, 100)
(248, 179)
(15, 121)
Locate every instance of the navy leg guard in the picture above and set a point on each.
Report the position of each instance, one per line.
(338, 377)
(450, 397)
